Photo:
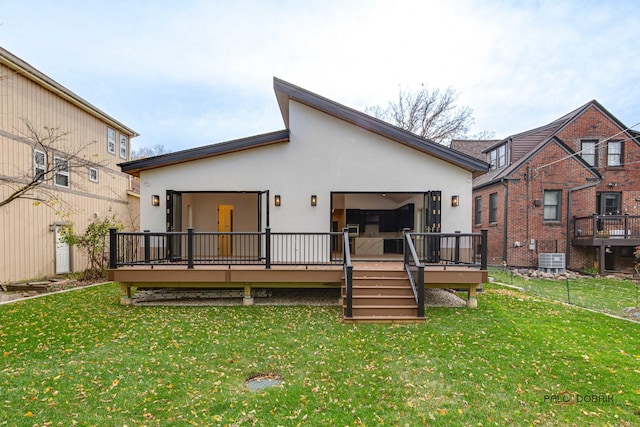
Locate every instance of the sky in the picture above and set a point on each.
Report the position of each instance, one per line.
(187, 73)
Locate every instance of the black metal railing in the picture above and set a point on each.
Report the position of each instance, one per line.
(215, 248)
(415, 271)
(348, 274)
(607, 226)
(467, 249)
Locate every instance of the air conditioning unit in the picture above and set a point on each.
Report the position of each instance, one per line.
(551, 263)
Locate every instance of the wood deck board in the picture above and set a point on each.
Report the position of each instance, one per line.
(237, 275)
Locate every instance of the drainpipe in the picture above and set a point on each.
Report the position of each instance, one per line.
(505, 182)
(571, 190)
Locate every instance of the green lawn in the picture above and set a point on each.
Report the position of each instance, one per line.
(609, 295)
(80, 358)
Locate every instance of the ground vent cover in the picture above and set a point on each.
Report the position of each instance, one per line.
(263, 380)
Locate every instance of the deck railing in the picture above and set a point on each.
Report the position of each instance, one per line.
(415, 271)
(216, 248)
(607, 226)
(469, 249)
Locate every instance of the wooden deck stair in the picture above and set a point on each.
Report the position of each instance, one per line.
(381, 295)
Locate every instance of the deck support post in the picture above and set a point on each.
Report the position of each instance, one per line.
(472, 302)
(125, 294)
(190, 248)
(113, 248)
(248, 299)
(267, 248)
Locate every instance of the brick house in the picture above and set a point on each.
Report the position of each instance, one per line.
(570, 187)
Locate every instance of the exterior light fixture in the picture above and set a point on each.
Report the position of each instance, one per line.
(277, 200)
(155, 200)
(455, 201)
(314, 200)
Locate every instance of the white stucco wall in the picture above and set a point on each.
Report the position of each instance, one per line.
(324, 155)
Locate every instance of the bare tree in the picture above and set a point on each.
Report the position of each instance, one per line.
(52, 161)
(431, 114)
(144, 152)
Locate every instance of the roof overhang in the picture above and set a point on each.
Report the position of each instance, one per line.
(134, 167)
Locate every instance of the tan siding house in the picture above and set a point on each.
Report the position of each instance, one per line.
(29, 226)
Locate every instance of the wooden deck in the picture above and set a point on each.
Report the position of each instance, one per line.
(257, 277)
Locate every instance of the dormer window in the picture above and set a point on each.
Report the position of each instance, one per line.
(498, 157)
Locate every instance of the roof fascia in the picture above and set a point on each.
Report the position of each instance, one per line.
(23, 68)
(134, 167)
(286, 91)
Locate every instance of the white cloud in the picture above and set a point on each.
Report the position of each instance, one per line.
(184, 73)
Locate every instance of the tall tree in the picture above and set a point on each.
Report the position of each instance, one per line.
(53, 159)
(433, 114)
(143, 152)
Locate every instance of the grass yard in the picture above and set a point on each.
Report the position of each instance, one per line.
(609, 295)
(80, 358)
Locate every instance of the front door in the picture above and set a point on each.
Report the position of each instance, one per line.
(63, 254)
(225, 225)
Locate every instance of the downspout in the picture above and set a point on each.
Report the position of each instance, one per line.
(505, 182)
(568, 243)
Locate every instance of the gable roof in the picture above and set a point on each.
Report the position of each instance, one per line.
(472, 147)
(524, 145)
(23, 68)
(286, 92)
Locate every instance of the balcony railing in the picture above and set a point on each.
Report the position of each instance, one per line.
(607, 227)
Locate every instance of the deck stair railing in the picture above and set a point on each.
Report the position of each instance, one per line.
(348, 274)
(415, 271)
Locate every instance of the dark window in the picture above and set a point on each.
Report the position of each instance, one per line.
(609, 203)
(493, 207)
(589, 152)
(498, 157)
(478, 211)
(614, 153)
(552, 205)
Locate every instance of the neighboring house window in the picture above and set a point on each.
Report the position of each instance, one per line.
(123, 146)
(498, 157)
(609, 203)
(614, 153)
(478, 211)
(39, 165)
(61, 167)
(111, 141)
(493, 207)
(552, 205)
(93, 174)
(589, 153)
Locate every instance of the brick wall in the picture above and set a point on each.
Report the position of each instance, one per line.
(552, 168)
